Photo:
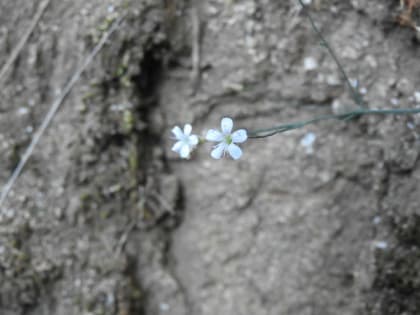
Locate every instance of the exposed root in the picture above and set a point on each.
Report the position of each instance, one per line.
(406, 17)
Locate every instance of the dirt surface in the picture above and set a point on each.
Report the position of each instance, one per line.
(105, 219)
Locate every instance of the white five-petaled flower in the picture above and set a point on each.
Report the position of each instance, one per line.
(186, 141)
(227, 140)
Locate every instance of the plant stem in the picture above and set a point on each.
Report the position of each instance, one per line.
(263, 133)
(355, 94)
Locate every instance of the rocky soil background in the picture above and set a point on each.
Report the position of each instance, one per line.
(107, 220)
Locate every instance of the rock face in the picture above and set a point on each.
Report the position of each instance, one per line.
(105, 219)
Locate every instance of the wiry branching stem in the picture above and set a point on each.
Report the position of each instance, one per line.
(263, 133)
(358, 99)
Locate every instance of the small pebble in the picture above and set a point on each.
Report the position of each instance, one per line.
(164, 307)
(395, 101)
(411, 126)
(309, 63)
(363, 91)
(308, 141)
(417, 96)
(377, 220)
(354, 83)
(381, 244)
(23, 111)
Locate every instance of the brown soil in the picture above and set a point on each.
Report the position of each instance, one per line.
(105, 219)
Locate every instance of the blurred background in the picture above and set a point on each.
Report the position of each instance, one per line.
(106, 220)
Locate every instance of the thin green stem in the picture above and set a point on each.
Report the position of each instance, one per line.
(358, 99)
(263, 133)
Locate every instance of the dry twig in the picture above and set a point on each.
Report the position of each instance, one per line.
(406, 17)
(16, 51)
(53, 109)
(197, 29)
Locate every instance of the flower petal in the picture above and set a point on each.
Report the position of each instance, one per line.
(234, 151)
(214, 135)
(185, 151)
(187, 129)
(227, 125)
(239, 136)
(193, 140)
(178, 132)
(177, 146)
(218, 151)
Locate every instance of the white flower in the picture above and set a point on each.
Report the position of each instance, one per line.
(227, 140)
(186, 141)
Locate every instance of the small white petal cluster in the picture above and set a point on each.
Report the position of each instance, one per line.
(227, 140)
(186, 141)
